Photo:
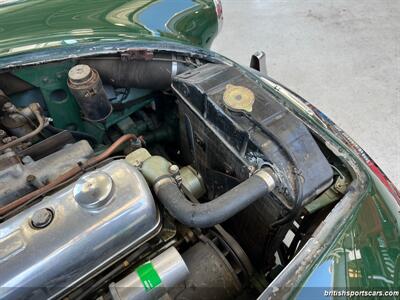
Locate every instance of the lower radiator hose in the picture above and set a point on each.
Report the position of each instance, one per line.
(208, 214)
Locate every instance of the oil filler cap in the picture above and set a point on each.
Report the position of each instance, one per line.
(93, 190)
(42, 218)
(238, 98)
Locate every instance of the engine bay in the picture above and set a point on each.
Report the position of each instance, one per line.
(153, 175)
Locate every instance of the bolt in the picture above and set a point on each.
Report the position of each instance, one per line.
(30, 178)
(251, 169)
(173, 169)
(8, 139)
(137, 163)
(42, 218)
(136, 143)
(27, 159)
(23, 146)
(8, 107)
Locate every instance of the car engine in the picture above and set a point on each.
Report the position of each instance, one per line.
(153, 175)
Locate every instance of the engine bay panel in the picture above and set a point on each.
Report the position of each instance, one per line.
(147, 175)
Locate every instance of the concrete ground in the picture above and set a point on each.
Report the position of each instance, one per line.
(341, 55)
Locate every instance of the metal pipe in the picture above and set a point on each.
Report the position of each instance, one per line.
(42, 122)
(67, 175)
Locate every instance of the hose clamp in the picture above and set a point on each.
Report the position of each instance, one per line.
(268, 176)
(174, 69)
(162, 180)
(174, 66)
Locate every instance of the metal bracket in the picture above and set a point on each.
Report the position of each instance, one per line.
(258, 62)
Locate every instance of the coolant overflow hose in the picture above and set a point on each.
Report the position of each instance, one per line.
(208, 214)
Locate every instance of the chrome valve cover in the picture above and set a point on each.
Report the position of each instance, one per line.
(71, 235)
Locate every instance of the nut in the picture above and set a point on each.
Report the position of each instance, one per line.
(173, 169)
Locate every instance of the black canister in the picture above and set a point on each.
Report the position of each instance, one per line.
(85, 85)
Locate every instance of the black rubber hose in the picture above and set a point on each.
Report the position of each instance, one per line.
(208, 214)
(295, 210)
(154, 74)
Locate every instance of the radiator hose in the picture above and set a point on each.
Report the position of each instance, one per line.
(155, 74)
(208, 214)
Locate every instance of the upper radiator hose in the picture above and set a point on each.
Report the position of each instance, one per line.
(157, 171)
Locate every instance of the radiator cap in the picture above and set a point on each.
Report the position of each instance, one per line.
(238, 98)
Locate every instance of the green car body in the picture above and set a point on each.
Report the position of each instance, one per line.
(33, 25)
(356, 247)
